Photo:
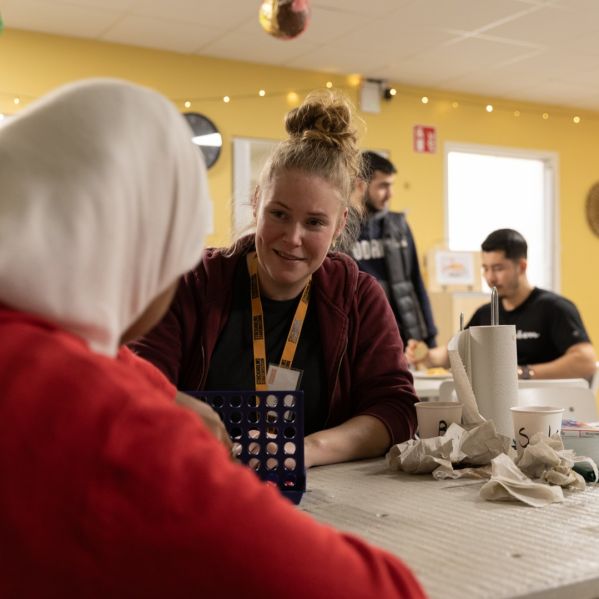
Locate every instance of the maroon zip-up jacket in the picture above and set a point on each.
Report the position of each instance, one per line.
(366, 371)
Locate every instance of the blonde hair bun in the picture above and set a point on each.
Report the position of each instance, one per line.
(324, 117)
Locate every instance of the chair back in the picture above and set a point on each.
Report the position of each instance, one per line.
(595, 380)
(578, 402)
(447, 391)
(525, 383)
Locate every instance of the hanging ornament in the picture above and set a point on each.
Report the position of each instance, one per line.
(284, 19)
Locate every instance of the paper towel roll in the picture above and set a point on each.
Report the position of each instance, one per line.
(488, 356)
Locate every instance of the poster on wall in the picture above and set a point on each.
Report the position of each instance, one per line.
(455, 268)
(425, 139)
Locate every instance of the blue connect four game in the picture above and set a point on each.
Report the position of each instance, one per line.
(267, 430)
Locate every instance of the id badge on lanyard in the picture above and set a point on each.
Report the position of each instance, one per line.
(279, 377)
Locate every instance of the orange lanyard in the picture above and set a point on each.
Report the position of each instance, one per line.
(258, 336)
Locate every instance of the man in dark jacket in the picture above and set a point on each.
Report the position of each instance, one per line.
(386, 250)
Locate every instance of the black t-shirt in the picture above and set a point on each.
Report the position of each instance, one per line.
(547, 324)
(231, 365)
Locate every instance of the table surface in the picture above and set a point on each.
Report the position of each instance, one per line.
(459, 545)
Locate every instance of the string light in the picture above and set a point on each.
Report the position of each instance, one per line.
(293, 97)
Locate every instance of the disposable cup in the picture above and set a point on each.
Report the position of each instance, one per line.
(434, 417)
(529, 420)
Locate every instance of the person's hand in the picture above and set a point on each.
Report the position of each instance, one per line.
(416, 352)
(208, 415)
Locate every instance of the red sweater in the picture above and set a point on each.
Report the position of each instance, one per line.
(366, 371)
(109, 489)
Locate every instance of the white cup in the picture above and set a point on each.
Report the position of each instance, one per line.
(529, 420)
(434, 417)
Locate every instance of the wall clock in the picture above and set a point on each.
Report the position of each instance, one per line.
(205, 135)
(593, 208)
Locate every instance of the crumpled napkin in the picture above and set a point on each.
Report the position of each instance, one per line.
(508, 482)
(474, 447)
(535, 475)
(547, 462)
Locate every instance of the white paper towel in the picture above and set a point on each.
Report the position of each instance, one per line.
(484, 367)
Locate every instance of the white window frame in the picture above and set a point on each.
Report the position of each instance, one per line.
(551, 199)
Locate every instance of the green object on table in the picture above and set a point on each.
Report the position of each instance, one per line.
(585, 470)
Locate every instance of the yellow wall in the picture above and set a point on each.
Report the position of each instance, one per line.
(31, 64)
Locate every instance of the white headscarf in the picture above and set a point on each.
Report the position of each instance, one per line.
(104, 203)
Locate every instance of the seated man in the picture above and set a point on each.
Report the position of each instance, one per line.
(551, 339)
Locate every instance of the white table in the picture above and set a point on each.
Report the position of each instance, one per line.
(458, 545)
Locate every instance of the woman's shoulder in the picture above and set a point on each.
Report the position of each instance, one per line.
(215, 269)
(341, 281)
(337, 269)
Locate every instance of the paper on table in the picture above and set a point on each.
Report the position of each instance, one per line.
(488, 454)
(474, 447)
(509, 483)
(484, 366)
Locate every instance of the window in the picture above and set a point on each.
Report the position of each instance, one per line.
(495, 188)
(249, 156)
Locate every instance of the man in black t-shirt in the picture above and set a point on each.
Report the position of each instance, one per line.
(551, 339)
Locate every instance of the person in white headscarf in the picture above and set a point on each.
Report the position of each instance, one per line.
(108, 488)
(103, 207)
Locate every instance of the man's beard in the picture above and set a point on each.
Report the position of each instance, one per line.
(370, 209)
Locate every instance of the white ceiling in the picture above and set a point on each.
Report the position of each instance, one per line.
(538, 50)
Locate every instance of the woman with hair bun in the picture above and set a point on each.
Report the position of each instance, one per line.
(349, 361)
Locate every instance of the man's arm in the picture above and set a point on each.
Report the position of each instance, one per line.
(434, 357)
(579, 361)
